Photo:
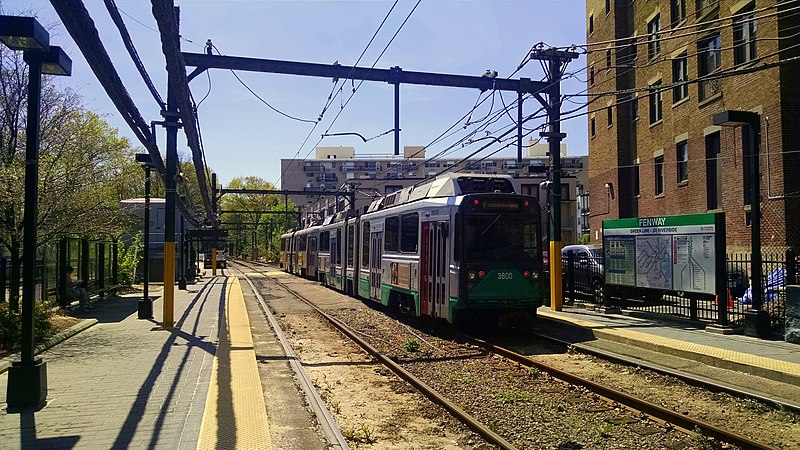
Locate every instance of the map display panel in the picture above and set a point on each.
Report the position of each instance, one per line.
(694, 263)
(669, 253)
(620, 260)
(654, 262)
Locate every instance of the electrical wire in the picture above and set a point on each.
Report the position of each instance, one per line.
(126, 39)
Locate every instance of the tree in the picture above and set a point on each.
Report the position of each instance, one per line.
(268, 227)
(85, 167)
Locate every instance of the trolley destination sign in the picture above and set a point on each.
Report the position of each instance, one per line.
(668, 252)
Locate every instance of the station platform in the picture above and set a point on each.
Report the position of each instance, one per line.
(774, 360)
(129, 383)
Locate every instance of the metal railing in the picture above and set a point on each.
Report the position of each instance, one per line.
(93, 262)
(583, 279)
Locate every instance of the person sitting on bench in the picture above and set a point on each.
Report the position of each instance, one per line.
(74, 290)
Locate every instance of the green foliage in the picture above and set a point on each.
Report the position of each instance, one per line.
(268, 228)
(411, 345)
(128, 258)
(513, 396)
(11, 326)
(585, 239)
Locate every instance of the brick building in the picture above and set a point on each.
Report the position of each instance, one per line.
(337, 168)
(658, 72)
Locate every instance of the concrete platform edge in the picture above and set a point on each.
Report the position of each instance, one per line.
(84, 324)
(694, 356)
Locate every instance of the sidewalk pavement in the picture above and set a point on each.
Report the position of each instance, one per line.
(126, 383)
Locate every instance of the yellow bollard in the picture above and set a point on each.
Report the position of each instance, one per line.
(556, 295)
(169, 285)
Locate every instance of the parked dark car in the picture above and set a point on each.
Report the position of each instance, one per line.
(587, 269)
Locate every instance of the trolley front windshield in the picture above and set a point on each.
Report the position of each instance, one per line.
(500, 237)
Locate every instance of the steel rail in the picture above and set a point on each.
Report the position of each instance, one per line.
(653, 410)
(694, 380)
(429, 392)
(671, 418)
(329, 427)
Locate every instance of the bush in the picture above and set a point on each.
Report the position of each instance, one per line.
(128, 259)
(11, 325)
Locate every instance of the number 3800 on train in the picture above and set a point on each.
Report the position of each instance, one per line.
(460, 248)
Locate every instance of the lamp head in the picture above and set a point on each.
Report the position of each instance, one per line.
(23, 33)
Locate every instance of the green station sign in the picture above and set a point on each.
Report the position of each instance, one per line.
(666, 252)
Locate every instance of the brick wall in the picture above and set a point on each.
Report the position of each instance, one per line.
(691, 119)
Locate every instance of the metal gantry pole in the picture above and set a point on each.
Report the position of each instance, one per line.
(182, 279)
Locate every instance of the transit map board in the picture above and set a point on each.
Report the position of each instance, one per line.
(669, 253)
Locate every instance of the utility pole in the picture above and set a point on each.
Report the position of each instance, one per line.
(171, 124)
(556, 59)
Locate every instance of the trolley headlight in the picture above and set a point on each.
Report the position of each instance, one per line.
(470, 275)
(535, 275)
(470, 286)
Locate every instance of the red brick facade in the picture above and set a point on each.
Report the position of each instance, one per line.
(686, 115)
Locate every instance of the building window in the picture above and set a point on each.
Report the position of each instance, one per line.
(591, 24)
(656, 102)
(713, 171)
(680, 74)
(608, 59)
(591, 76)
(709, 61)
(592, 126)
(636, 192)
(677, 10)
(659, 178)
(610, 115)
(744, 36)
(565, 197)
(608, 7)
(635, 107)
(653, 37)
(682, 158)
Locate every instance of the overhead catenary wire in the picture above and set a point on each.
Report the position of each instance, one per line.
(126, 39)
(79, 25)
(344, 105)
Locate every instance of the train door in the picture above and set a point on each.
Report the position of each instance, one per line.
(334, 254)
(376, 251)
(437, 268)
(312, 257)
(424, 261)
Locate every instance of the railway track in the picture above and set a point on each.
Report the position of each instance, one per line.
(663, 416)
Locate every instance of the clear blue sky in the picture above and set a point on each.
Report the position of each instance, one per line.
(243, 137)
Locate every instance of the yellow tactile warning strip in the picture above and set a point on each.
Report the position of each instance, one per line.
(758, 365)
(235, 415)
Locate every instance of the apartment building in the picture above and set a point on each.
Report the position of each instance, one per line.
(658, 71)
(340, 168)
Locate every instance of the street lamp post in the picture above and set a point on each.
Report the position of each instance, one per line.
(27, 378)
(757, 321)
(145, 307)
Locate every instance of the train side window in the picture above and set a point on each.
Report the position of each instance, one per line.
(324, 241)
(391, 234)
(338, 246)
(302, 243)
(409, 233)
(351, 236)
(283, 244)
(365, 244)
